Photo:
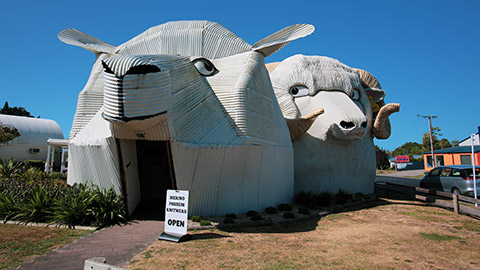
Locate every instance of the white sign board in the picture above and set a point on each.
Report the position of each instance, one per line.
(176, 212)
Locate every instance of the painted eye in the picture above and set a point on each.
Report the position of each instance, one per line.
(204, 66)
(298, 91)
(355, 95)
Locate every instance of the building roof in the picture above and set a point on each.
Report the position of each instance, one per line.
(33, 131)
(456, 150)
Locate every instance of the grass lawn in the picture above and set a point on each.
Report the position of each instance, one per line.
(20, 243)
(387, 234)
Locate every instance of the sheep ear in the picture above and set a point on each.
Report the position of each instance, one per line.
(77, 38)
(278, 40)
(371, 85)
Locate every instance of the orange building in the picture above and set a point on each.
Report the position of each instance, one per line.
(461, 155)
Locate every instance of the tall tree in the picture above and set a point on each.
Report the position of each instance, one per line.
(18, 111)
(437, 144)
(409, 148)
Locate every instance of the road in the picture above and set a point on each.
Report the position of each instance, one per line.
(400, 177)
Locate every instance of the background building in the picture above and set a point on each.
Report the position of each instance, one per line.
(461, 155)
(32, 142)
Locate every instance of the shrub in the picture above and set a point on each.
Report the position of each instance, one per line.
(284, 207)
(37, 207)
(270, 210)
(251, 213)
(8, 207)
(256, 217)
(74, 208)
(288, 215)
(324, 198)
(231, 216)
(108, 208)
(31, 174)
(50, 201)
(9, 168)
(196, 218)
(228, 220)
(37, 164)
(205, 222)
(358, 196)
(342, 197)
(306, 199)
(304, 211)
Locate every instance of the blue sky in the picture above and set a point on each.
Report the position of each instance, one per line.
(424, 53)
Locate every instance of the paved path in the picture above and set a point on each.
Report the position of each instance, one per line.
(118, 244)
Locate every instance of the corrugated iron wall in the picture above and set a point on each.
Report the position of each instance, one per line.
(233, 179)
(130, 162)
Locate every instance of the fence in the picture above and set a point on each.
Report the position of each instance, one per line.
(459, 203)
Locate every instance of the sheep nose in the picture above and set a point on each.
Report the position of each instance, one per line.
(347, 125)
(125, 65)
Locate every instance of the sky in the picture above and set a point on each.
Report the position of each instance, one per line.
(425, 54)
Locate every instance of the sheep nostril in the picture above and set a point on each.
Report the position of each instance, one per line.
(347, 125)
(364, 124)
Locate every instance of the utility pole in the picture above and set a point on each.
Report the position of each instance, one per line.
(431, 137)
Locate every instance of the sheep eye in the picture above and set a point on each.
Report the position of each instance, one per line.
(204, 66)
(355, 95)
(298, 91)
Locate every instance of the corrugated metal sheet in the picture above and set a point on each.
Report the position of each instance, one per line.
(95, 164)
(130, 162)
(33, 131)
(328, 157)
(278, 40)
(242, 178)
(186, 38)
(152, 129)
(93, 156)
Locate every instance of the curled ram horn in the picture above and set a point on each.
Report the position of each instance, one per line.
(381, 125)
(299, 126)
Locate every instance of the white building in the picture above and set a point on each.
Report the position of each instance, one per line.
(32, 142)
(468, 141)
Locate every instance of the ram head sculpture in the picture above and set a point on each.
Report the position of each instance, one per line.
(345, 110)
(185, 105)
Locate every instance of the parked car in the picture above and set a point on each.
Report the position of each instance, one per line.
(457, 179)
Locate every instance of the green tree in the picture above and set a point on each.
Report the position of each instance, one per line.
(18, 111)
(8, 133)
(408, 148)
(437, 144)
(382, 158)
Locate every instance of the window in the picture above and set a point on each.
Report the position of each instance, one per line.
(446, 172)
(439, 160)
(434, 172)
(466, 159)
(456, 172)
(429, 161)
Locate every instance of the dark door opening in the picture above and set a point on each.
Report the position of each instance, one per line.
(155, 172)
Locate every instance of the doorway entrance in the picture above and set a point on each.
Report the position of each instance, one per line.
(156, 175)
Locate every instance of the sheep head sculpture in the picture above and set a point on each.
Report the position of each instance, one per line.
(197, 86)
(333, 150)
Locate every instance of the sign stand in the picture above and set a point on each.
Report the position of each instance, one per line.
(176, 216)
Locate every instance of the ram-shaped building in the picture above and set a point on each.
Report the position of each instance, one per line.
(335, 150)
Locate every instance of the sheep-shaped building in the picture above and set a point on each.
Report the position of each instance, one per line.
(185, 105)
(336, 150)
